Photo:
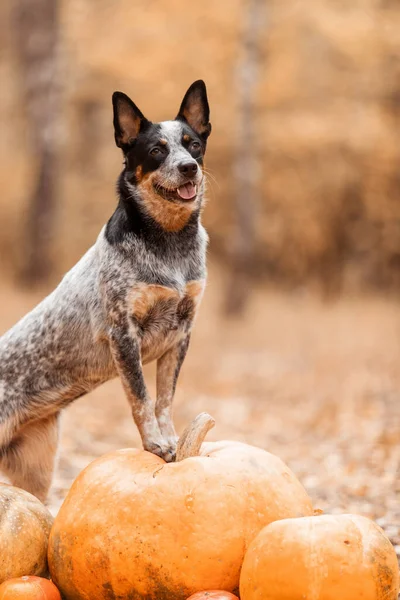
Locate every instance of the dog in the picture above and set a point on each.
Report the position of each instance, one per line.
(130, 300)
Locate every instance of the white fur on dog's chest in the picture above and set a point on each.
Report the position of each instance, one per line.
(163, 315)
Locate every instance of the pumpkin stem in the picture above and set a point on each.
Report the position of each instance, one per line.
(190, 442)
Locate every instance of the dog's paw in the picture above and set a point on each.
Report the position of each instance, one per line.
(164, 449)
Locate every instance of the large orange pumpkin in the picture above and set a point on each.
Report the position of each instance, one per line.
(212, 595)
(133, 526)
(326, 557)
(29, 588)
(24, 532)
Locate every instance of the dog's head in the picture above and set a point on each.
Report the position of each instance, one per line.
(164, 160)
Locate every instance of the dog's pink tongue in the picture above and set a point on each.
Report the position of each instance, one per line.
(187, 191)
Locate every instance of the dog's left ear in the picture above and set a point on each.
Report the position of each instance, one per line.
(195, 110)
(128, 120)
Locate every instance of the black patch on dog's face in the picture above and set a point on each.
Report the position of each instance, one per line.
(147, 152)
(151, 148)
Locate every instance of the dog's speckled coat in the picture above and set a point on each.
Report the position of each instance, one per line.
(130, 300)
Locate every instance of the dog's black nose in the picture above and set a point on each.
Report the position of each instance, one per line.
(188, 168)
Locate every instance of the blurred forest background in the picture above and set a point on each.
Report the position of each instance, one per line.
(304, 207)
(305, 100)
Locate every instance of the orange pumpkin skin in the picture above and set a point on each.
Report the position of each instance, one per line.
(135, 526)
(29, 588)
(322, 557)
(25, 525)
(212, 595)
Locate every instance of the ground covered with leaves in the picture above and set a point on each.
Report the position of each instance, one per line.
(317, 384)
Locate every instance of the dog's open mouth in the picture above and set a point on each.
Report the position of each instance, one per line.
(186, 192)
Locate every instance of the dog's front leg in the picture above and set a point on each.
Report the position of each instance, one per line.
(168, 368)
(125, 348)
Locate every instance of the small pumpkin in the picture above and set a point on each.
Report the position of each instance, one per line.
(29, 588)
(150, 529)
(322, 557)
(212, 595)
(25, 525)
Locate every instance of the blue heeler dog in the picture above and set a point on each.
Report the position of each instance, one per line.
(130, 300)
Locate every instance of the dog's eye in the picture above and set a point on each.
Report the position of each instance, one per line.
(155, 151)
(196, 146)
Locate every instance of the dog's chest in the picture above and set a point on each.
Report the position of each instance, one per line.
(163, 315)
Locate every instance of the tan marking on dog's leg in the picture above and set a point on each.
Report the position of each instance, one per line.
(7, 430)
(195, 289)
(30, 457)
(187, 307)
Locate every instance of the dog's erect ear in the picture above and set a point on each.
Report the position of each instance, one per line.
(195, 110)
(128, 120)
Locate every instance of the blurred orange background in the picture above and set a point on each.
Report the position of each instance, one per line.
(306, 361)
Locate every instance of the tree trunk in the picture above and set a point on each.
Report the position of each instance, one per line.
(246, 166)
(37, 34)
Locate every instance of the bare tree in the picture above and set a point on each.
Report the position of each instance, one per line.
(246, 165)
(37, 34)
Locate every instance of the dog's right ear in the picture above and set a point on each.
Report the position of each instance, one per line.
(128, 120)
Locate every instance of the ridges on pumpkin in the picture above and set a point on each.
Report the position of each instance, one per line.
(320, 557)
(25, 525)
